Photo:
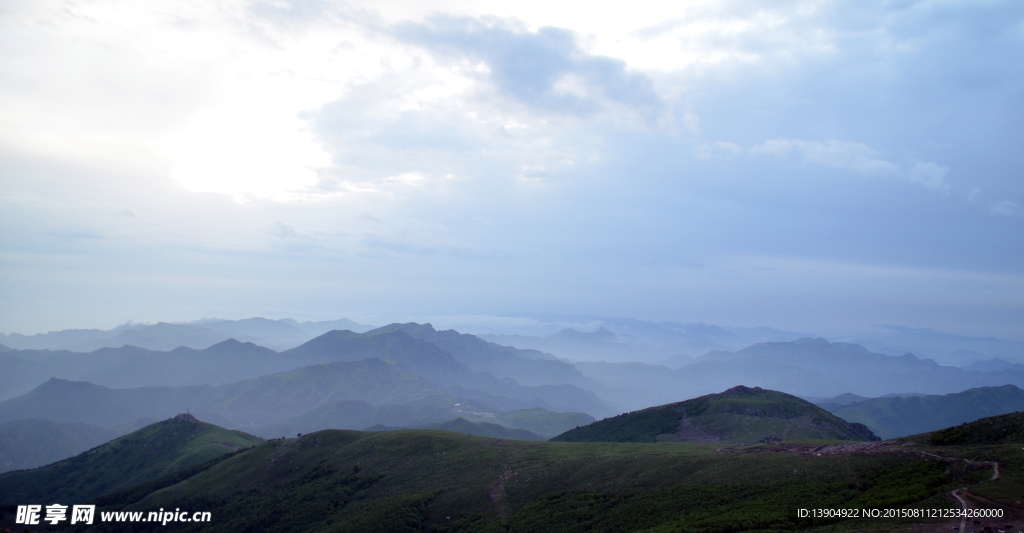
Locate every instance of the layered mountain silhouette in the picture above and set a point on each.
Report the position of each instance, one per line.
(910, 415)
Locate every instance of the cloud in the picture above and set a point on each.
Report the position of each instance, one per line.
(929, 175)
(717, 148)
(856, 157)
(545, 70)
(1004, 208)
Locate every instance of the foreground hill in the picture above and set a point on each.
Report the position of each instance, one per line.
(156, 450)
(740, 414)
(898, 417)
(420, 480)
(35, 442)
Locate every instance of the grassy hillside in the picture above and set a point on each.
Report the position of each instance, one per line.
(151, 452)
(897, 417)
(740, 414)
(420, 480)
(31, 443)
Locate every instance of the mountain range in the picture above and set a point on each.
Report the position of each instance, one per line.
(908, 415)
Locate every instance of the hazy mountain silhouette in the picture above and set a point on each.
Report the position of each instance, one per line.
(34, 442)
(898, 417)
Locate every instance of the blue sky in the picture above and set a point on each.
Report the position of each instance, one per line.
(813, 166)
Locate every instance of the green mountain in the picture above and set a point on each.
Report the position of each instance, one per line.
(740, 414)
(32, 443)
(898, 417)
(156, 450)
(1003, 429)
(485, 429)
(422, 480)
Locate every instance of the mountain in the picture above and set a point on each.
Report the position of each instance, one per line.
(424, 480)
(527, 367)
(279, 397)
(543, 422)
(464, 361)
(946, 348)
(357, 414)
(993, 365)
(275, 334)
(251, 402)
(484, 429)
(315, 329)
(898, 417)
(993, 430)
(35, 442)
(628, 340)
(816, 367)
(740, 414)
(156, 450)
(831, 404)
(131, 366)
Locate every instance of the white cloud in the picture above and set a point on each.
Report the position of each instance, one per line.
(929, 175)
(1004, 208)
(717, 148)
(855, 157)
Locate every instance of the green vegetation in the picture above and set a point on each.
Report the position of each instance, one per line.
(898, 417)
(423, 480)
(740, 414)
(153, 451)
(993, 430)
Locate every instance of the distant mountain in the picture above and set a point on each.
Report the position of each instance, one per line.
(35, 442)
(153, 451)
(740, 414)
(638, 340)
(163, 336)
(898, 417)
(543, 422)
(464, 361)
(816, 367)
(677, 361)
(993, 365)
(831, 404)
(527, 367)
(484, 429)
(946, 348)
(357, 414)
(252, 402)
(130, 366)
(315, 329)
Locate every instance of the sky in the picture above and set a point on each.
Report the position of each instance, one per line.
(807, 165)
